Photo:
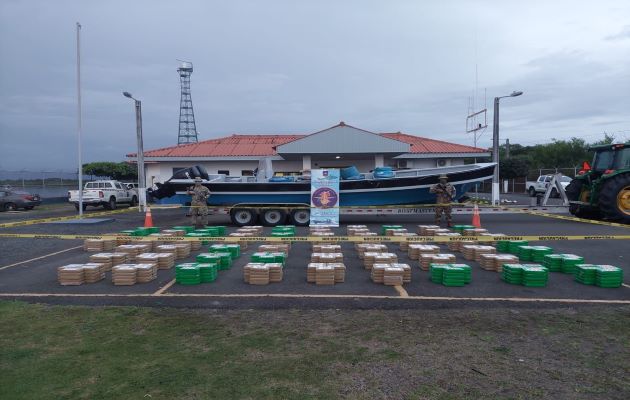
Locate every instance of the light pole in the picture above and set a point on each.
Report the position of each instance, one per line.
(495, 147)
(142, 196)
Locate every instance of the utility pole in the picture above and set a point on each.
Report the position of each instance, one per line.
(507, 148)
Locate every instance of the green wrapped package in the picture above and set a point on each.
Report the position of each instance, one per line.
(503, 246)
(140, 231)
(512, 273)
(525, 253)
(186, 229)
(187, 274)
(609, 276)
(513, 246)
(218, 248)
(453, 276)
(208, 272)
(460, 228)
(553, 262)
(569, 261)
(436, 272)
(217, 230)
(467, 271)
(198, 234)
(539, 253)
(384, 228)
(225, 260)
(283, 230)
(535, 275)
(127, 232)
(208, 258)
(235, 249)
(586, 274)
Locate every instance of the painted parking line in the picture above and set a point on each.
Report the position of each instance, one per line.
(318, 296)
(164, 288)
(624, 285)
(401, 291)
(39, 258)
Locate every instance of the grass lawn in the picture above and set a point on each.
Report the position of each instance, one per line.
(61, 352)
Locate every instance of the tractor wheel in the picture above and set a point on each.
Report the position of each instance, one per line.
(531, 191)
(574, 189)
(614, 198)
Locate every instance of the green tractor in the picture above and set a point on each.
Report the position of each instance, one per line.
(603, 190)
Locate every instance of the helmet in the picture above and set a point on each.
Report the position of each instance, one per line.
(443, 176)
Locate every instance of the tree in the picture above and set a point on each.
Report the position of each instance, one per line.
(513, 167)
(118, 171)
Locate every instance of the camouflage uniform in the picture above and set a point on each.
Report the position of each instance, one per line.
(444, 194)
(199, 205)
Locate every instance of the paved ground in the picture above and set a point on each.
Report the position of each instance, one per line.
(35, 280)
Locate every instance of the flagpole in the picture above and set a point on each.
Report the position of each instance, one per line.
(79, 122)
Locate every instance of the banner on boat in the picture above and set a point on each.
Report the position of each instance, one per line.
(324, 197)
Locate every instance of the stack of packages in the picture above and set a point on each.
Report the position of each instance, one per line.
(109, 259)
(243, 244)
(98, 244)
(363, 248)
(182, 250)
(262, 274)
(384, 229)
(525, 253)
(233, 249)
(320, 273)
(450, 274)
(609, 276)
(487, 261)
(460, 228)
(185, 228)
(468, 251)
(188, 274)
(404, 246)
(327, 258)
(208, 272)
(225, 260)
(358, 231)
(368, 259)
(531, 275)
(283, 231)
(326, 248)
(93, 272)
(457, 245)
(586, 274)
(196, 244)
(379, 271)
(539, 253)
(513, 246)
(385, 258)
(604, 276)
(569, 262)
(501, 259)
(124, 274)
(503, 246)
(161, 260)
(174, 232)
(553, 262)
(71, 275)
(395, 231)
(416, 250)
(393, 276)
(495, 236)
(132, 250)
(422, 229)
(268, 257)
(427, 259)
(145, 272)
(167, 248)
(474, 231)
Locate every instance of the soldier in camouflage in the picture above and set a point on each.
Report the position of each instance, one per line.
(444, 193)
(199, 204)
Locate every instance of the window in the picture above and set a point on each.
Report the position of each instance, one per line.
(118, 185)
(286, 174)
(247, 172)
(224, 172)
(90, 185)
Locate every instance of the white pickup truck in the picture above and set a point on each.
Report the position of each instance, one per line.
(105, 193)
(540, 185)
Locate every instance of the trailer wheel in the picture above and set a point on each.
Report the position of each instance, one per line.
(273, 217)
(243, 216)
(300, 217)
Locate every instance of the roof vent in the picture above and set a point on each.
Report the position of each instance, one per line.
(341, 123)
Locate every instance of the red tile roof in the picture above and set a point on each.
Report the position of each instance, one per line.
(264, 145)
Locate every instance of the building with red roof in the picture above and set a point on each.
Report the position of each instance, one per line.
(339, 146)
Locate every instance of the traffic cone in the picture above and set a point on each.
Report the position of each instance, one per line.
(476, 221)
(148, 219)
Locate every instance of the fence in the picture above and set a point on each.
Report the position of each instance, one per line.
(45, 183)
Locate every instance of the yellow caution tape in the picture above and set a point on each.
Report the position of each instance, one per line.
(354, 239)
(68, 218)
(306, 206)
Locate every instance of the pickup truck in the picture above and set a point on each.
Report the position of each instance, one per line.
(540, 185)
(105, 193)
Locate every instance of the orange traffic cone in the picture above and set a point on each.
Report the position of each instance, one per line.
(476, 221)
(148, 219)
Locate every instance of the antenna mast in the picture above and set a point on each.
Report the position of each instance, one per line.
(187, 127)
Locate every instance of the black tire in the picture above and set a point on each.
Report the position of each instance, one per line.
(76, 207)
(29, 207)
(10, 207)
(111, 204)
(531, 191)
(613, 196)
(273, 217)
(243, 216)
(574, 189)
(134, 201)
(300, 217)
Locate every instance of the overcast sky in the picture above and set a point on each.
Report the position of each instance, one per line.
(302, 66)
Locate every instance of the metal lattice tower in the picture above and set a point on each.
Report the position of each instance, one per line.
(187, 127)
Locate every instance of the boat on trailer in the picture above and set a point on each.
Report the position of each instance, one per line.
(249, 196)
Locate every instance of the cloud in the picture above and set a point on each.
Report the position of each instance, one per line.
(624, 34)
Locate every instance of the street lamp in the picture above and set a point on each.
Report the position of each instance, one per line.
(495, 147)
(142, 196)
